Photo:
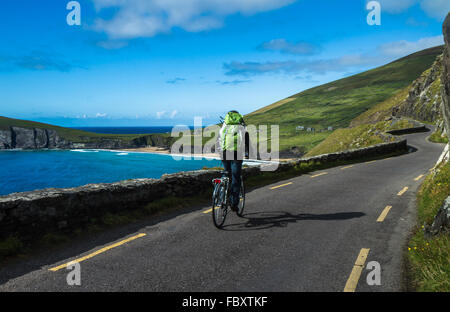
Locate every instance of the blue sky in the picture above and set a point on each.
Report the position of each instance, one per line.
(155, 62)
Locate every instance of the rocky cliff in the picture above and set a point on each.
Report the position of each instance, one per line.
(424, 99)
(38, 138)
(446, 75)
(31, 138)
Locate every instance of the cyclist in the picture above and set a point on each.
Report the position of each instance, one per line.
(233, 146)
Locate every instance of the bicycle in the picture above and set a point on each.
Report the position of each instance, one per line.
(221, 199)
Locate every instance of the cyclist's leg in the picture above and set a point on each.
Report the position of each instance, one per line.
(236, 169)
(227, 166)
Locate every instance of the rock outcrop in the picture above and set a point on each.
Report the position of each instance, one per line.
(31, 138)
(446, 75)
(5, 139)
(424, 100)
(37, 138)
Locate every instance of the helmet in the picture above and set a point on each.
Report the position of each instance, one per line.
(234, 118)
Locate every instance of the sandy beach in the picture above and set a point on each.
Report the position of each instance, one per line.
(160, 150)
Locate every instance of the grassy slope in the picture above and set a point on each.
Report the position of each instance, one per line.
(360, 136)
(338, 103)
(73, 135)
(381, 110)
(429, 259)
(437, 137)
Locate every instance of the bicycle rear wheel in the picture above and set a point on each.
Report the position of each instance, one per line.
(241, 205)
(219, 209)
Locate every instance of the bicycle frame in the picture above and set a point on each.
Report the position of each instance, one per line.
(222, 201)
(226, 181)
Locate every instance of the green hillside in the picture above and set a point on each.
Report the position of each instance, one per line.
(337, 103)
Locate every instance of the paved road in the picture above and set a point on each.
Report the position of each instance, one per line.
(303, 236)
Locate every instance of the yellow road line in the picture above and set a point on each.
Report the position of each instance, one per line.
(353, 279)
(402, 191)
(318, 175)
(343, 168)
(368, 162)
(384, 214)
(62, 266)
(419, 177)
(207, 211)
(275, 187)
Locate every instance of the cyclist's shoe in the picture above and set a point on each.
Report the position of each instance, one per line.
(234, 208)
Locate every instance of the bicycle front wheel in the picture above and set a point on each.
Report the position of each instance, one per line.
(219, 211)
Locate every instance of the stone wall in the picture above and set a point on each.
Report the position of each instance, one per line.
(409, 130)
(29, 214)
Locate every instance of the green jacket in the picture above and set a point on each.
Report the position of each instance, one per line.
(231, 134)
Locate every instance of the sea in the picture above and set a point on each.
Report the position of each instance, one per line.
(39, 169)
(28, 170)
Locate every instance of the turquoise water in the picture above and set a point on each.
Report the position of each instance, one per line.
(30, 170)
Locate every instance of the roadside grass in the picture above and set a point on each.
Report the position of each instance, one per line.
(344, 139)
(11, 246)
(381, 110)
(360, 136)
(428, 260)
(437, 137)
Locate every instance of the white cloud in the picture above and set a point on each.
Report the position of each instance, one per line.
(146, 18)
(436, 8)
(396, 6)
(323, 66)
(111, 44)
(403, 47)
(159, 115)
(281, 45)
(100, 115)
(411, 21)
(385, 53)
(175, 80)
(173, 114)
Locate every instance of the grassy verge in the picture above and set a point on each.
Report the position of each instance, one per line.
(437, 137)
(381, 110)
(360, 136)
(428, 260)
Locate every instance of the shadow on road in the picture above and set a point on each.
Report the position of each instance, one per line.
(264, 220)
(76, 246)
(412, 149)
